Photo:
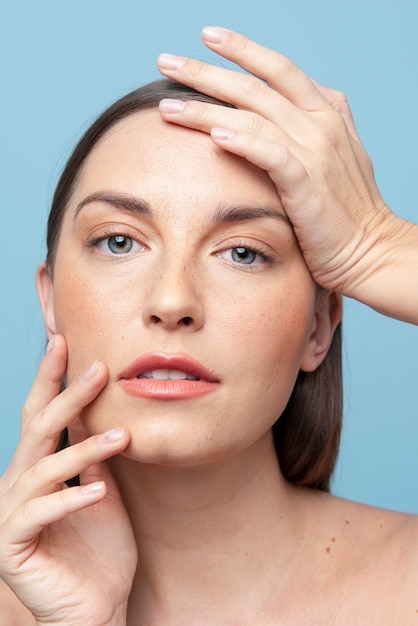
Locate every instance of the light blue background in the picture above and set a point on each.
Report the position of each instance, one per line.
(63, 62)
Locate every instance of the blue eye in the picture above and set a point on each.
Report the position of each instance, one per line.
(116, 244)
(119, 244)
(245, 256)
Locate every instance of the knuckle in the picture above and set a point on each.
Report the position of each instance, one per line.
(239, 42)
(252, 88)
(331, 133)
(27, 410)
(255, 125)
(338, 127)
(45, 474)
(196, 69)
(198, 110)
(29, 511)
(37, 473)
(340, 97)
(281, 65)
(36, 424)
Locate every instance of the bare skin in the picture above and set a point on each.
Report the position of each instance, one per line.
(304, 136)
(202, 501)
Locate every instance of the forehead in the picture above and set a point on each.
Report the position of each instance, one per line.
(144, 154)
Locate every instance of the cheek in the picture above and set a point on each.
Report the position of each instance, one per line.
(275, 323)
(265, 352)
(86, 318)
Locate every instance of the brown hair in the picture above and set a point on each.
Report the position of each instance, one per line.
(307, 434)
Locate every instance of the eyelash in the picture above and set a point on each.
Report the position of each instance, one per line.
(94, 241)
(266, 257)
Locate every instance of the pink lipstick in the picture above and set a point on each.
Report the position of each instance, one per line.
(167, 377)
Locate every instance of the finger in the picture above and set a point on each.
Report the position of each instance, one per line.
(338, 101)
(204, 116)
(42, 431)
(284, 168)
(94, 471)
(245, 93)
(24, 526)
(48, 380)
(276, 70)
(77, 432)
(49, 473)
(239, 89)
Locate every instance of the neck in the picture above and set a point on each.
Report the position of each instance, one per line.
(208, 529)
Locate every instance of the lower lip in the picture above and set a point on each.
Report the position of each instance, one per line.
(167, 389)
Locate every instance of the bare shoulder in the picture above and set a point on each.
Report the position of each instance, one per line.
(12, 610)
(375, 534)
(375, 556)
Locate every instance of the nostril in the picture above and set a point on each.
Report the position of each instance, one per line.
(184, 321)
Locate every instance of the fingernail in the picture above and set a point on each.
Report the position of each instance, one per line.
(213, 34)
(92, 488)
(90, 372)
(221, 133)
(169, 105)
(111, 436)
(170, 61)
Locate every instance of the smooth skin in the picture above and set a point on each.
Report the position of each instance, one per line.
(327, 561)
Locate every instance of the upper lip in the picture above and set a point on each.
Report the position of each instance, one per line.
(159, 360)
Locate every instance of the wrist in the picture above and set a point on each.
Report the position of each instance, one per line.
(389, 276)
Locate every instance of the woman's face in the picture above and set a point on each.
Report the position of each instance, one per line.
(176, 260)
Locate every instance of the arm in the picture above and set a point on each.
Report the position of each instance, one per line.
(304, 137)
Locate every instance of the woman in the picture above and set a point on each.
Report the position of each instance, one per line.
(191, 297)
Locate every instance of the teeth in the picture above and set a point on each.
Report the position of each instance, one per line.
(168, 375)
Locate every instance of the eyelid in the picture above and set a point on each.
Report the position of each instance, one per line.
(108, 231)
(265, 252)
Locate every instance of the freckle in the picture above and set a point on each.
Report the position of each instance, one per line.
(328, 550)
(333, 539)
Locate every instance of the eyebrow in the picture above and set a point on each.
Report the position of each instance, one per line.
(123, 202)
(223, 214)
(237, 213)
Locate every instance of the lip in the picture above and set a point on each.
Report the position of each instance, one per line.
(167, 389)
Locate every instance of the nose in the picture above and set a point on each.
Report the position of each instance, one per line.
(173, 302)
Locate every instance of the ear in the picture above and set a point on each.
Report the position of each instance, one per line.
(45, 289)
(328, 311)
